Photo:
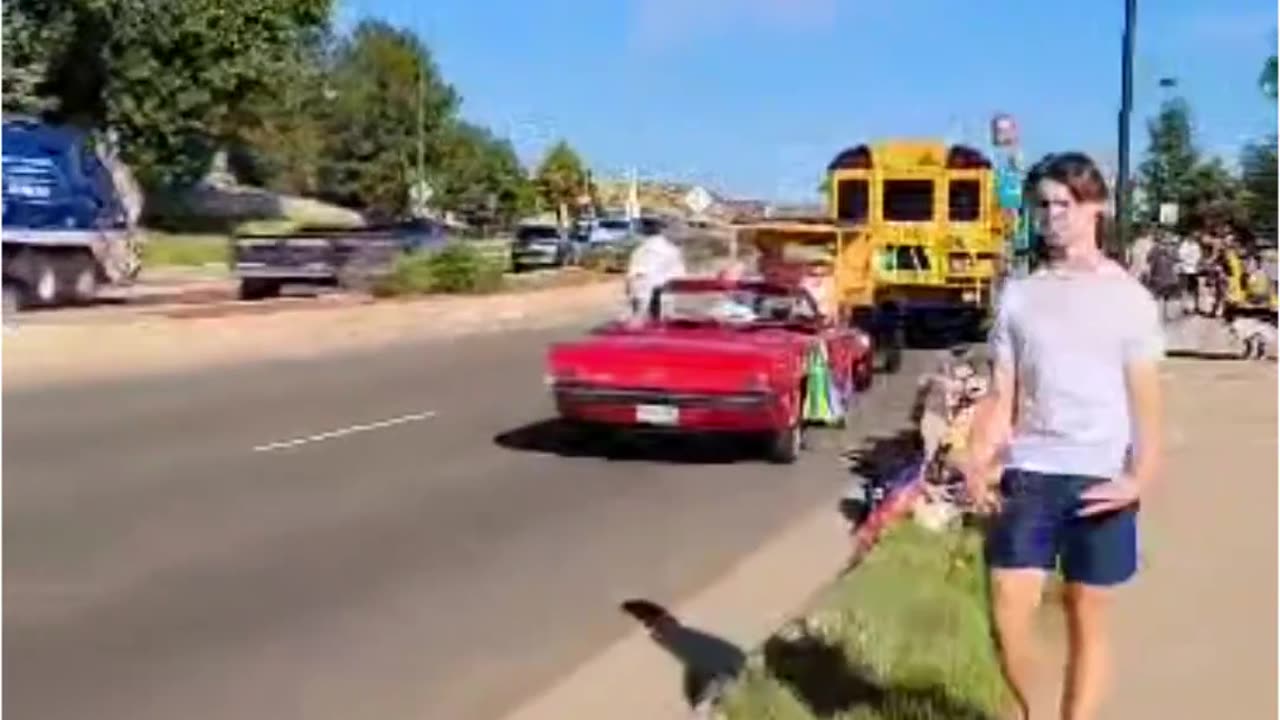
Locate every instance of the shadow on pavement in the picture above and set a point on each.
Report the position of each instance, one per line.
(710, 662)
(555, 437)
(1202, 355)
(822, 677)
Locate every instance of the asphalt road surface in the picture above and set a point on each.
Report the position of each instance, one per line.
(390, 535)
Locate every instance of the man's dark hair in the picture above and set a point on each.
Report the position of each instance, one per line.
(1075, 170)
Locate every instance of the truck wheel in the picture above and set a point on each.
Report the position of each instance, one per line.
(44, 289)
(78, 278)
(258, 289)
(12, 300)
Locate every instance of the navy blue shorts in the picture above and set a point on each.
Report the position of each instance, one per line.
(1037, 527)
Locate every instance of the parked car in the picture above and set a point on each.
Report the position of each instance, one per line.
(541, 245)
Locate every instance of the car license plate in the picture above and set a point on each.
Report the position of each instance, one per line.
(658, 414)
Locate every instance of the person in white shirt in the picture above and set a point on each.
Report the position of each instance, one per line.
(1073, 418)
(1189, 255)
(654, 262)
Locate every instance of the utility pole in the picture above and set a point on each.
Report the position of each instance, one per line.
(1126, 106)
(422, 97)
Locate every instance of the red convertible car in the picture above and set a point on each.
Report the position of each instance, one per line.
(715, 355)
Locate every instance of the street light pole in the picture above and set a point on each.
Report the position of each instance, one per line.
(1126, 106)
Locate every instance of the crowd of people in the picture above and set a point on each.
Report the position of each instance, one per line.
(1208, 273)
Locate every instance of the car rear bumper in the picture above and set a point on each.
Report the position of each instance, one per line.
(536, 256)
(676, 411)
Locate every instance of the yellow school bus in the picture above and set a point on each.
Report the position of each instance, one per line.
(935, 234)
(916, 238)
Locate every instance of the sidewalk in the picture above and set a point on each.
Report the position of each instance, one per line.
(1195, 634)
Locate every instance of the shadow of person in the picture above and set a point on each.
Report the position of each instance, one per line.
(823, 678)
(710, 662)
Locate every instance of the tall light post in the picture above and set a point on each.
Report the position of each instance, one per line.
(1126, 106)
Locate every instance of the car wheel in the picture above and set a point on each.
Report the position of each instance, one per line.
(785, 445)
(258, 289)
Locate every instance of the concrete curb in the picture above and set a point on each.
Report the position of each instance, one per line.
(745, 606)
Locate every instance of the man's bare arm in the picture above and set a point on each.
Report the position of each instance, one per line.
(1146, 407)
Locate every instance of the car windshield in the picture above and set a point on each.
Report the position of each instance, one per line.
(615, 224)
(732, 305)
(533, 232)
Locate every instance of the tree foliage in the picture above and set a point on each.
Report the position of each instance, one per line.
(1258, 177)
(561, 178)
(172, 78)
(480, 177)
(350, 118)
(1171, 158)
(380, 76)
(1267, 79)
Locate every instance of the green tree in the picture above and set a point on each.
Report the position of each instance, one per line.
(1212, 197)
(480, 177)
(561, 178)
(283, 136)
(383, 83)
(1171, 158)
(1267, 79)
(173, 78)
(1258, 177)
(35, 36)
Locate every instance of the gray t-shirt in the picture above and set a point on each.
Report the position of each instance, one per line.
(1069, 337)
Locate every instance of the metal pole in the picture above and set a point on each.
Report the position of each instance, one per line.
(1126, 106)
(421, 101)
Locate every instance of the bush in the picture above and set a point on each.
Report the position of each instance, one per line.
(608, 258)
(455, 268)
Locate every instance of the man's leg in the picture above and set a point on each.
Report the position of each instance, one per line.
(1088, 651)
(1015, 596)
(1099, 554)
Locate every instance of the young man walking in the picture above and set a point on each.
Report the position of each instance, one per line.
(1074, 419)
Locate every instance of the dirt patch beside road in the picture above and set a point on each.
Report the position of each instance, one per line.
(37, 355)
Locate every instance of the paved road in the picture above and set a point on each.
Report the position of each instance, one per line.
(384, 536)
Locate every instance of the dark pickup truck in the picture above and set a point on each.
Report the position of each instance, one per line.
(352, 259)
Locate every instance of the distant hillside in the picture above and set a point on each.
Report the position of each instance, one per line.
(667, 198)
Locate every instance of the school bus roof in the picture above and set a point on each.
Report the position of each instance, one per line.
(797, 226)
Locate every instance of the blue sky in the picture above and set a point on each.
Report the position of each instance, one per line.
(753, 97)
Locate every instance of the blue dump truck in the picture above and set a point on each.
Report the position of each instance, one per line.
(66, 229)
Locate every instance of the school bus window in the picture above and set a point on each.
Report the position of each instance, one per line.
(854, 201)
(963, 200)
(908, 200)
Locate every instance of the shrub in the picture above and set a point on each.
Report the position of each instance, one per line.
(455, 268)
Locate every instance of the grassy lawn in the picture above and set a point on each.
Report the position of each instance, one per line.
(183, 249)
(905, 636)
